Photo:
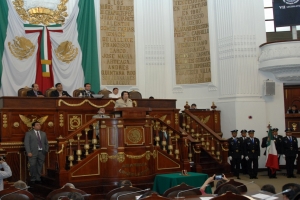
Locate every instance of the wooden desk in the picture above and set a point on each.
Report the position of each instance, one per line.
(163, 182)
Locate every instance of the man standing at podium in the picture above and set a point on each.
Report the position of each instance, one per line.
(124, 101)
(36, 146)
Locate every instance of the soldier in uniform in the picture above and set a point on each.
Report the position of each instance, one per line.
(244, 161)
(289, 150)
(235, 153)
(252, 153)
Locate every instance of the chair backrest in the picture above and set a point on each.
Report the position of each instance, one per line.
(22, 92)
(154, 196)
(63, 192)
(76, 92)
(230, 195)
(48, 92)
(113, 194)
(135, 95)
(105, 93)
(20, 195)
(172, 192)
(240, 186)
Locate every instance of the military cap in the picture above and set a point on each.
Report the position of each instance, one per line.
(234, 131)
(251, 131)
(244, 131)
(288, 130)
(275, 129)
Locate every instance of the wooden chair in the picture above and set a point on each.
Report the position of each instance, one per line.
(230, 195)
(135, 95)
(20, 195)
(22, 92)
(48, 92)
(113, 194)
(63, 192)
(105, 93)
(76, 92)
(240, 186)
(172, 192)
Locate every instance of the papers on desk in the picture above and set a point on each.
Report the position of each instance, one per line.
(205, 198)
(137, 197)
(264, 196)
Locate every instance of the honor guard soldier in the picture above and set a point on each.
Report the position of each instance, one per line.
(244, 161)
(235, 153)
(289, 150)
(252, 153)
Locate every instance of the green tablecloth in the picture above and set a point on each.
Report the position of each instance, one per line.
(163, 182)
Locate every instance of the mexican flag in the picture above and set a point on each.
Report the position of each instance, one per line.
(47, 54)
(272, 158)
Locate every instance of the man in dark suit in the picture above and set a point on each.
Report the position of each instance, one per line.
(59, 92)
(87, 90)
(244, 161)
(293, 110)
(252, 153)
(235, 153)
(35, 91)
(289, 150)
(36, 146)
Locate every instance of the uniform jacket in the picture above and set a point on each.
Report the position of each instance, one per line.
(235, 147)
(252, 149)
(289, 148)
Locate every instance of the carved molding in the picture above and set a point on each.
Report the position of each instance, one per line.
(282, 59)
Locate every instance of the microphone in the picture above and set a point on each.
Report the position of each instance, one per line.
(15, 192)
(284, 191)
(188, 190)
(132, 193)
(245, 184)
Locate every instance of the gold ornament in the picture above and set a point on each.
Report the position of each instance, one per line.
(21, 48)
(66, 52)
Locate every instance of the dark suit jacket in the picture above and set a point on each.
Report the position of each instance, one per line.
(30, 93)
(289, 149)
(56, 94)
(83, 92)
(31, 142)
(291, 111)
(235, 147)
(252, 150)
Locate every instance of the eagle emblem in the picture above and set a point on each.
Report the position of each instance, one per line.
(29, 121)
(21, 48)
(204, 120)
(66, 52)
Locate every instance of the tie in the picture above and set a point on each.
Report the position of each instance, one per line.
(165, 134)
(234, 140)
(252, 140)
(290, 138)
(39, 139)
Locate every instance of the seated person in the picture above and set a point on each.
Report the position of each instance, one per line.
(35, 91)
(114, 94)
(268, 188)
(20, 185)
(87, 91)
(59, 92)
(70, 185)
(151, 97)
(295, 188)
(211, 179)
(101, 114)
(293, 110)
(124, 101)
(75, 196)
(228, 188)
(5, 173)
(193, 106)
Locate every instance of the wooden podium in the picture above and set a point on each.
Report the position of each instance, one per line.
(132, 112)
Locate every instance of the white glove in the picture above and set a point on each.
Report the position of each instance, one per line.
(247, 158)
(296, 155)
(242, 157)
(283, 156)
(230, 158)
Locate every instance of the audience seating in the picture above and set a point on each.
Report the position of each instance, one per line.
(230, 195)
(105, 93)
(172, 192)
(76, 92)
(154, 196)
(48, 92)
(241, 187)
(20, 195)
(135, 95)
(22, 92)
(63, 192)
(113, 194)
